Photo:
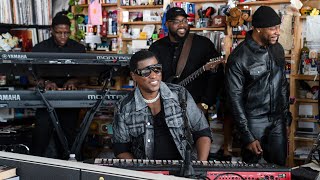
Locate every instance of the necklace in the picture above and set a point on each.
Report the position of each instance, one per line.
(151, 100)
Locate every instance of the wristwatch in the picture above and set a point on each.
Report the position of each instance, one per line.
(205, 106)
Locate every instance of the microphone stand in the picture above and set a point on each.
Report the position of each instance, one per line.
(186, 169)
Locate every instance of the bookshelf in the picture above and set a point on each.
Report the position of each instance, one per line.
(297, 142)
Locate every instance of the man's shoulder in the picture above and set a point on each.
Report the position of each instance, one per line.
(42, 46)
(127, 99)
(175, 88)
(202, 39)
(160, 42)
(75, 44)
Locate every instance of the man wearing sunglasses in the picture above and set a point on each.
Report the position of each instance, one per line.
(149, 123)
(204, 89)
(44, 139)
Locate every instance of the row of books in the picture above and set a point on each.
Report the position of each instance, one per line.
(26, 12)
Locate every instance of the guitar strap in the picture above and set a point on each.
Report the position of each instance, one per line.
(184, 55)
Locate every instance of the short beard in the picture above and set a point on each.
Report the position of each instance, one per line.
(177, 37)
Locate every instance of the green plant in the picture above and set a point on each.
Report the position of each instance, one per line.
(77, 19)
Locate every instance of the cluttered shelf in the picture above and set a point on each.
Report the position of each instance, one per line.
(263, 2)
(141, 22)
(208, 29)
(142, 7)
(130, 39)
(200, 1)
(103, 5)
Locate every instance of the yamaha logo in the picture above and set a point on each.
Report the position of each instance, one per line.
(10, 97)
(14, 56)
(4, 56)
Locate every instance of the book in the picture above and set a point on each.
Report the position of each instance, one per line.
(27, 37)
(14, 178)
(7, 172)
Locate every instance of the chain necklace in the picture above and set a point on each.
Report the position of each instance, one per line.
(151, 100)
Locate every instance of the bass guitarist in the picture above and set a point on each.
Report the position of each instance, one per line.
(204, 89)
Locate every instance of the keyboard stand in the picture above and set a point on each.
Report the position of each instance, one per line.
(55, 122)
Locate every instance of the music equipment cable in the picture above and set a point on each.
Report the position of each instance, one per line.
(229, 173)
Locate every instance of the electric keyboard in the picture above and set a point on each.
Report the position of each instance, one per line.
(208, 169)
(58, 99)
(64, 58)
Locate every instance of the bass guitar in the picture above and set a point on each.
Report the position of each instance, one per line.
(208, 66)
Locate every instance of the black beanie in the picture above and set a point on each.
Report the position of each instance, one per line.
(265, 17)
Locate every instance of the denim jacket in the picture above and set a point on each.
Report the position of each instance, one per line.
(133, 120)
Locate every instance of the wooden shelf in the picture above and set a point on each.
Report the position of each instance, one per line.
(304, 139)
(130, 39)
(142, 7)
(103, 5)
(263, 2)
(307, 100)
(307, 119)
(200, 1)
(111, 36)
(207, 29)
(305, 77)
(299, 159)
(238, 36)
(142, 22)
(287, 56)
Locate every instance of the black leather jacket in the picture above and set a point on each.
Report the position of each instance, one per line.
(256, 85)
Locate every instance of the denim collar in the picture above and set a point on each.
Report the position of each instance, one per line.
(165, 93)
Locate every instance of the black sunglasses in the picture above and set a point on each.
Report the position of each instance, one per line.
(145, 72)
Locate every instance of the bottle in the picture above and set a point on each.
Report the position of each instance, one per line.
(104, 27)
(3, 79)
(304, 55)
(72, 157)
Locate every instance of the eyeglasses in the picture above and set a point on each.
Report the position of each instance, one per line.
(145, 72)
(177, 22)
(61, 33)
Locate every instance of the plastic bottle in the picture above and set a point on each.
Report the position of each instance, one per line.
(72, 157)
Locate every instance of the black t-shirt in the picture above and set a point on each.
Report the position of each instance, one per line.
(205, 87)
(164, 146)
(50, 46)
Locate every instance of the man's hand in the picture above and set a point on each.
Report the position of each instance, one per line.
(255, 147)
(70, 85)
(50, 85)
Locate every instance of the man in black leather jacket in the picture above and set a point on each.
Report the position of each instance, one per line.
(257, 90)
